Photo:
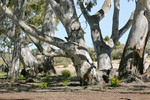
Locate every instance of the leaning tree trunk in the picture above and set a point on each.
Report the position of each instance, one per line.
(82, 61)
(75, 46)
(131, 65)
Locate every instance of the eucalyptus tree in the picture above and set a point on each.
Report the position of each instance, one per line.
(25, 55)
(131, 66)
(74, 46)
(104, 48)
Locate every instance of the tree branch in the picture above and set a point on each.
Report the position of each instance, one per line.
(115, 38)
(126, 26)
(115, 25)
(84, 11)
(57, 9)
(104, 10)
(51, 40)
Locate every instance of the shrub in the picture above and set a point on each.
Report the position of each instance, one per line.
(21, 76)
(114, 82)
(106, 38)
(46, 77)
(66, 73)
(66, 77)
(2, 75)
(66, 82)
(43, 85)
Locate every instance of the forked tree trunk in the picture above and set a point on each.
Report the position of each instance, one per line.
(104, 49)
(131, 65)
(75, 46)
(77, 51)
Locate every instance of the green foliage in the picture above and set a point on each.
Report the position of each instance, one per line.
(66, 82)
(1, 62)
(34, 86)
(106, 38)
(100, 88)
(66, 73)
(114, 82)
(34, 51)
(37, 76)
(21, 76)
(118, 43)
(66, 77)
(43, 85)
(90, 3)
(2, 75)
(35, 12)
(46, 77)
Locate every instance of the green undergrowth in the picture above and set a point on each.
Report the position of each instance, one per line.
(66, 77)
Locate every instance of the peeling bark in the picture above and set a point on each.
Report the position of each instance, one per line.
(15, 65)
(104, 49)
(131, 66)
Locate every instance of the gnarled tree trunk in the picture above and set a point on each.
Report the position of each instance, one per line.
(131, 65)
(104, 49)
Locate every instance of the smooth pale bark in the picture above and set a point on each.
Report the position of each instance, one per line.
(104, 49)
(28, 60)
(82, 60)
(131, 65)
(48, 29)
(73, 48)
(15, 65)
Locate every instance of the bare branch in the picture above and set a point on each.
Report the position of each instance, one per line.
(126, 26)
(51, 40)
(57, 53)
(104, 10)
(115, 25)
(58, 11)
(84, 11)
(115, 37)
(23, 7)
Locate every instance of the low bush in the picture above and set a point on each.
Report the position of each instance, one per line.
(2, 74)
(21, 76)
(114, 82)
(66, 77)
(66, 73)
(43, 85)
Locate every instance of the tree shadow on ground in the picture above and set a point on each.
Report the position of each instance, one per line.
(54, 84)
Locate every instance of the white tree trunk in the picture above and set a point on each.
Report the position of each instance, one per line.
(131, 65)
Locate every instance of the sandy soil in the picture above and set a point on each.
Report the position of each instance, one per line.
(56, 91)
(125, 92)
